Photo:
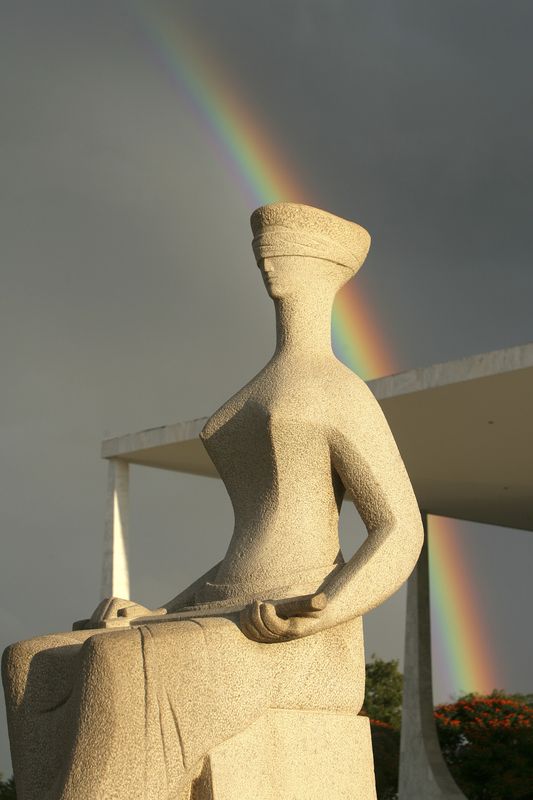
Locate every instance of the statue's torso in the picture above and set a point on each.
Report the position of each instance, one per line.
(269, 443)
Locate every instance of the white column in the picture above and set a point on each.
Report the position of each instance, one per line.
(424, 774)
(115, 574)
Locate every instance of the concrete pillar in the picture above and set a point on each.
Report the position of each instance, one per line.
(115, 574)
(423, 771)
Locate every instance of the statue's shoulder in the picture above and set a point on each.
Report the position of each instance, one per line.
(352, 401)
(350, 385)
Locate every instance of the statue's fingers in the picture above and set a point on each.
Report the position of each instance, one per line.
(265, 634)
(250, 632)
(271, 622)
(115, 605)
(301, 626)
(100, 610)
(247, 626)
(112, 609)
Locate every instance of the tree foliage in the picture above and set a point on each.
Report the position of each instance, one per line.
(383, 692)
(383, 704)
(7, 789)
(487, 742)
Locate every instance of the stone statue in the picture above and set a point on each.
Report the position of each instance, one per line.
(248, 684)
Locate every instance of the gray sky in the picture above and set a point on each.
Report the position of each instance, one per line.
(130, 296)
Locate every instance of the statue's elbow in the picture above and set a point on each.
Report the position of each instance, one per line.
(414, 540)
(409, 540)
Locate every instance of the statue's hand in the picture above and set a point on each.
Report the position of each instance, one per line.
(285, 619)
(114, 612)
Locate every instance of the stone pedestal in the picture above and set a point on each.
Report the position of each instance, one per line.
(292, 755)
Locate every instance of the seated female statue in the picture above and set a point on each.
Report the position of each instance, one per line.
(131, 712)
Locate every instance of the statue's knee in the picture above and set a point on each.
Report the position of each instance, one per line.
(11, 656)
(16, 661)
(110, 652)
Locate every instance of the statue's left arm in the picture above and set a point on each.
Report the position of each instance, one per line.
(365, 455)
(366, 458)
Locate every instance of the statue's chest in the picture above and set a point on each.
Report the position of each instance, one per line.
(244, 436)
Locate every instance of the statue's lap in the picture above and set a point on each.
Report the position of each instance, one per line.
(176, 688)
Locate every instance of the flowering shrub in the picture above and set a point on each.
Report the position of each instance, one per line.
(487, 742)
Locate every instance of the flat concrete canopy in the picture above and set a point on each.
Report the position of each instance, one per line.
(464, 428)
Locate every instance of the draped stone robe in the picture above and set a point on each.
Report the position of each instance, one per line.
(130, 714)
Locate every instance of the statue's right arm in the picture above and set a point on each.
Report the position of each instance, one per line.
(116, 612)
(187, 596)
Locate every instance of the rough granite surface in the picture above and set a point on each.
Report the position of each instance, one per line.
(248, 683)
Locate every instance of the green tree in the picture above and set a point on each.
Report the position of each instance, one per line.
(383, 692)
(487, 742)
(7, 789)
(383, 704)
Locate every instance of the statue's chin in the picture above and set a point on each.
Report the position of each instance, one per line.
(276, 291)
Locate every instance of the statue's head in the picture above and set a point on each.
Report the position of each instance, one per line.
(297, 246)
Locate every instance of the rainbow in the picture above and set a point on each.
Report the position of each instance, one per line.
(243, 145)
(356, 338)
(460, 640)
(255, 165)
(262, 175)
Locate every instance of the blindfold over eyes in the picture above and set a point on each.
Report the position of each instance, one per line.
(277, 240)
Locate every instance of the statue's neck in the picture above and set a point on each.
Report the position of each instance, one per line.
(303, 327)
